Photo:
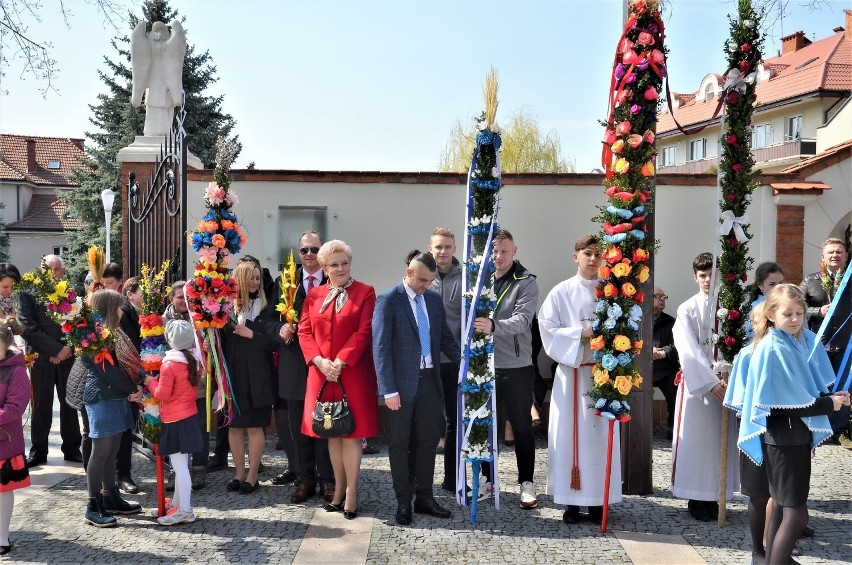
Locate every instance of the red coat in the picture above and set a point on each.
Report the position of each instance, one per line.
(346, 335)
(173, 390)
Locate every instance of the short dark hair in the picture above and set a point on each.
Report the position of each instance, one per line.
(114, 271)
(9, 270)
(130, 285)
(425, 259)
(703, 262)
(585, 242)
(503, 234)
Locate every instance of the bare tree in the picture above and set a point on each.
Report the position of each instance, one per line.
(25, 48)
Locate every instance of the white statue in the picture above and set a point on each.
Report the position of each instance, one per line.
(157, 63)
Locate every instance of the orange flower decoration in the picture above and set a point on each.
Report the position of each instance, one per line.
(621, 270)
(640, 255)
(218, 240)
(647, 169)
(621, 343)
(627, 289)
(613, 255)
(637, 346)
(622, 165)
(604, 272)
(623, 384)
(597, 343)
(610, 290)
(600, 375)
(643, 274)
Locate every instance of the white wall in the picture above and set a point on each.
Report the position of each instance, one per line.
(383, 221)
(838, 129)
(27, 248)
(830, 214)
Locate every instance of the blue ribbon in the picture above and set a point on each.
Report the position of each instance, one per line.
(824, 326)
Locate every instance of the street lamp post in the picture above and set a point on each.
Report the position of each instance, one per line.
(108, 198)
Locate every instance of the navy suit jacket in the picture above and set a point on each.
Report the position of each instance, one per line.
(396, 341)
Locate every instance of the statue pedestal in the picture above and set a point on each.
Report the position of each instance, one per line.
(146, 149)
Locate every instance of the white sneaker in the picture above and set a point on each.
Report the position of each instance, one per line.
(177, 518)
(484, 489)
(528, 499)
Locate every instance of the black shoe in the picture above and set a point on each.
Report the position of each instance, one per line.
(371, 449)
(248, 488)
(403, 514)
(284, 478)
(114, 504)
(448, 486)
(127, 486)
(74, 457)
(571, 515)
(431, 507)
(350, 514)
(807, 532)
(698, 510)
(96, 516)
(4, 549)
(596, 514)
(216, 464)
(36, 460)
(331, 507)
(712, 509)
(233, 485)
(509, 442)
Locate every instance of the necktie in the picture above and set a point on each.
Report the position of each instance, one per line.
(311, 280)
(423, 326)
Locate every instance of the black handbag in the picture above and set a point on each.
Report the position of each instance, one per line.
(75, 384)
(332, 419)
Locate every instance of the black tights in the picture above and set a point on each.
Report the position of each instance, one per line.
(757, 523)
(785, 527)
(100, 472)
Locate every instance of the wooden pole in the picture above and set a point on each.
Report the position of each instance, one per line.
(611, 432)
(723, 463)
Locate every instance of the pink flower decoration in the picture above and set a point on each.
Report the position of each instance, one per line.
(730, 277)
(629, 57)
(625, 45)
(657, 57)
(214, 194)
(730, 197)
(634, 141)
(737, 167)
(623, 128)
(645, 38)
(649, 136)
(650, 93)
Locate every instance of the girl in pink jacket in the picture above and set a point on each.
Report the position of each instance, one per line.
(176, 390)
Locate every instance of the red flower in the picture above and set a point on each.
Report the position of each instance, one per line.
(745, 66)
(731, 139)
(733, 97)
(730, 197)
(730, 277)
(733, 242)
(746, 47)
(640, 255)
(734, 314)
(730, 341)
(743, 277)
(639, 297)
(737, 167)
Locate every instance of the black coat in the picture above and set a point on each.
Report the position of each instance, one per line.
(816, 297)
(250, 362)
(130, 324)
(41, 333)
(292, 368)
(667, 367)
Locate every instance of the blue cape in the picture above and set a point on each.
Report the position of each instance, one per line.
(777, 374)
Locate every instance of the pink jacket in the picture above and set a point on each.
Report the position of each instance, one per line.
(173, 390)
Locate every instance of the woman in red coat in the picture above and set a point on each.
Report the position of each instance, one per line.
(335, 334)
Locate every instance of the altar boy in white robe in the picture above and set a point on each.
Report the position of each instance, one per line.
(576, 437)
(696, 443)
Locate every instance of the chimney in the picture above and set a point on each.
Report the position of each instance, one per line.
(31, 156)
(794, 42)
(848, 24)
(78, 143)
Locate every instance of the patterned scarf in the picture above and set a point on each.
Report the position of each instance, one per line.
(337, 294)
(7, 305)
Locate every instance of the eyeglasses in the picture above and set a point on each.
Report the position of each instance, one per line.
(660, 297)
(339, 266)
(306, 250)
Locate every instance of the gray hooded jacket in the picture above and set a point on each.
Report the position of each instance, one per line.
(517, 302)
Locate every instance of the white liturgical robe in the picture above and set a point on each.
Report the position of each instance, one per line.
(698, 415)
(568, 308)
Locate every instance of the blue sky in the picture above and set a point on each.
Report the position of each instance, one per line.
(377, 85)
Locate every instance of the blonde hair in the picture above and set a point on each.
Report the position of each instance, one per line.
(243, 274)
(781, 292)
(9, 328)
(330, 247)
(106, 303)
(445, 232)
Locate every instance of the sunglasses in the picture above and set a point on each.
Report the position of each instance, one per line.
(306, 250)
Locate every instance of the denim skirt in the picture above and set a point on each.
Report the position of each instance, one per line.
(109, 417)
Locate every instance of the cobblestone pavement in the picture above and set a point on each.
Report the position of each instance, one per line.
(266, 527)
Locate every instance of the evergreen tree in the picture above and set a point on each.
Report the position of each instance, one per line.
(118, 123)
(4, 237)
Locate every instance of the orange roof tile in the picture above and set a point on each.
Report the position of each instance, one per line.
(823, 65)
(45, 213)
(13, 159)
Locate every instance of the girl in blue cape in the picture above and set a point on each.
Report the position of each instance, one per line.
(784, 405)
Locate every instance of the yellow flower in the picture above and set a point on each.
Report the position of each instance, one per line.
(637, 380)
(621, 342)
(621, 270)
(622, 384)
(59, 292)
(601, 375)
(644, 273)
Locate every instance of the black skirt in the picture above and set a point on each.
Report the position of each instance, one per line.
(251, 417)
(183, 436)
(753, 480)
(788, 469)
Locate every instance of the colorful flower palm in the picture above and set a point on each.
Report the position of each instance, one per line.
(289, 285)
(737, 180)
(154, 298)
(628, 157)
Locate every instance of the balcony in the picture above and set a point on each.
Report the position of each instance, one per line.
(766, 158)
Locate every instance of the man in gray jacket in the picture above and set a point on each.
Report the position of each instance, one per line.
(517, 301)
(448, 283)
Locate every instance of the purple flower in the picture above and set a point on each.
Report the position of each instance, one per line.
(635, 109)
(631, 78)
(653, 28)
(642, 65)
(620, 71)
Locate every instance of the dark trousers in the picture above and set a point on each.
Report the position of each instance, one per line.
(839, 419)
(125, 450)
(285, 435)
(199, 458)
(312, 464)
(222, 446)
(449, 379)
(86, 444)
(44, 380)
(515, 393)
(669, 390)
(416, 427)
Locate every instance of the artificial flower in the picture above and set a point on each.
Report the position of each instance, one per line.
(617, 146)
(621, 270)
(604, 272)
(634, 140)
(623, 128)
(621, 166)
(613, 255)
(621, 342)
(622, 384)
(640, 255)
(647, 169)
(601, 375)
(597, 343)
(643, 274)
(627, 289)
(650, 94)
(610, 290)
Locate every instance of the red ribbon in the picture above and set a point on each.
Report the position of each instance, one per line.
(102, 357)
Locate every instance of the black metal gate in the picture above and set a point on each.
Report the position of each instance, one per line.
(157, 217)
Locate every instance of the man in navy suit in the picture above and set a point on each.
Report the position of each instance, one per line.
(409, 334)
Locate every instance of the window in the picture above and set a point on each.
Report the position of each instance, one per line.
(709, 92)
(668, 156)
(762, 136)
(60, 250)
(53, 164)
(794, 128)
(697, 149)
